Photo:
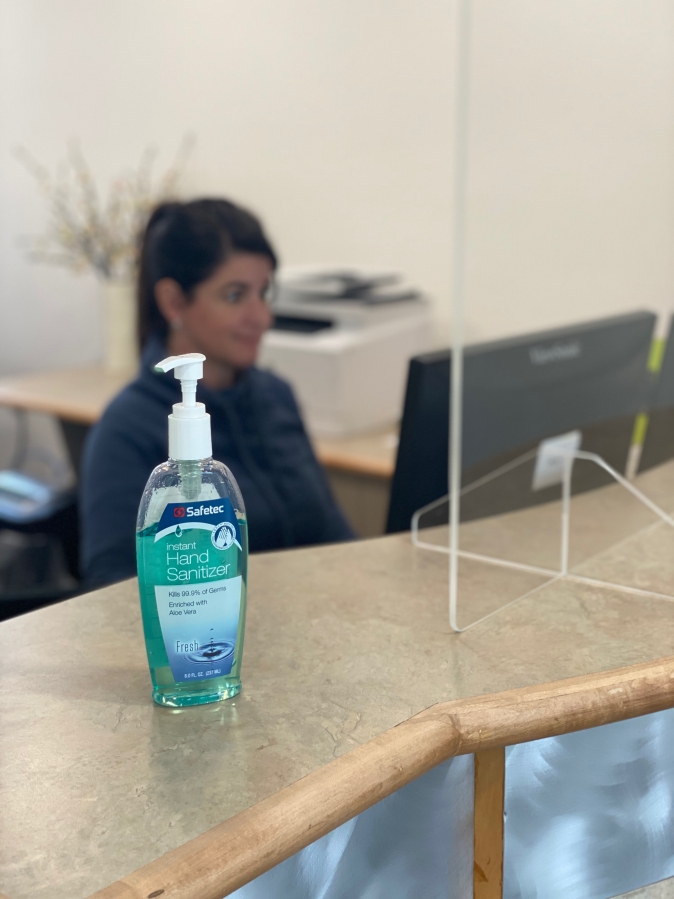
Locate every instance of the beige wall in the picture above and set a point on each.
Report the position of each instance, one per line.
(571, 211)
(333, 120)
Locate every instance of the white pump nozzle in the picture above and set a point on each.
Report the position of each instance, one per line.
(188, 368)
(189, 426)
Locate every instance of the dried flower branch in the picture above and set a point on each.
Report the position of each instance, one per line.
(83, 233)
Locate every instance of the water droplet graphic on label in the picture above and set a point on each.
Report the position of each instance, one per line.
(179, 531)
(212, 652)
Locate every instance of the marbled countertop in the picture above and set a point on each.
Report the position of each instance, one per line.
(343, 642)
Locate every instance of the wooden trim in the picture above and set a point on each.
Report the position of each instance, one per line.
(230, 855)
(488, 826)
(355, 463)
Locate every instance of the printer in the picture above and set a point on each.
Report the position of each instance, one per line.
(343, 337)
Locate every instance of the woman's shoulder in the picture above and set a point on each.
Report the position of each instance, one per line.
(135, 411)
(127, 442)
(277, 389)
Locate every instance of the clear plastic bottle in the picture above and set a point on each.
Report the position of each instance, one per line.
(192, 551)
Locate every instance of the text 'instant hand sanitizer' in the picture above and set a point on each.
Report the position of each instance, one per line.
(192, 550)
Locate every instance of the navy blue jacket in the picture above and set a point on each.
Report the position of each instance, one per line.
(257, 432)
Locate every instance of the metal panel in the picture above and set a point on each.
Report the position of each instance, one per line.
(416, 843)
(589, 814)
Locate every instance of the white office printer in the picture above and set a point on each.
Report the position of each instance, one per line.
(343, 338)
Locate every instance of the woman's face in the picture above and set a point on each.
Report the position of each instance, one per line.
(228, 313)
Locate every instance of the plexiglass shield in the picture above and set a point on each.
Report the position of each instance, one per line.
(535, 446)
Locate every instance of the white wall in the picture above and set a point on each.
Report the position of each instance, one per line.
(333, 121)
(330, 119)
(571, 211)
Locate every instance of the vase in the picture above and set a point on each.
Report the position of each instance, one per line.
(120, 326)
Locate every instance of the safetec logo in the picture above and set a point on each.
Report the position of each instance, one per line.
(203, 510)
(214, 514)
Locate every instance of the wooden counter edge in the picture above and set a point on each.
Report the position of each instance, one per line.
(81, 413)
(355, 463)
(246, 845)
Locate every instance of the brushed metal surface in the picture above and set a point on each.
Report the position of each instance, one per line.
(589, 815)
(415, 844)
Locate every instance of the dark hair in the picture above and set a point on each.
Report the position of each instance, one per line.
(187, 242)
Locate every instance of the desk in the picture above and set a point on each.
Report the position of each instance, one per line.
(359, 468)
(353, 687)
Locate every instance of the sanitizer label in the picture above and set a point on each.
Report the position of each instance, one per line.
(212, 516)
(199, 625)
(196, 555)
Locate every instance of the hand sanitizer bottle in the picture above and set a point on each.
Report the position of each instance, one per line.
(192, 549)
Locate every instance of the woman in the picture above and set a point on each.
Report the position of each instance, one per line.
(205, 280)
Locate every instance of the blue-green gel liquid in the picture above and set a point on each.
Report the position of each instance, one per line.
(151, 572)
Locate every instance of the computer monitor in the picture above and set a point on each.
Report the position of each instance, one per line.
(659, 440)
(592, 377)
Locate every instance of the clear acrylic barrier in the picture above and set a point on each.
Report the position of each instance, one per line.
(557, 354)
(583, 536)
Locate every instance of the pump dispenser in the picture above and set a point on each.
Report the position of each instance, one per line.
(190, 424)
(192, 551)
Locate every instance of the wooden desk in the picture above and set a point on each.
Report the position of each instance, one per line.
(77, 395)
(360, 468)
(353, 687)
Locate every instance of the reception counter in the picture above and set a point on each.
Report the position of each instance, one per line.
(358, 700)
